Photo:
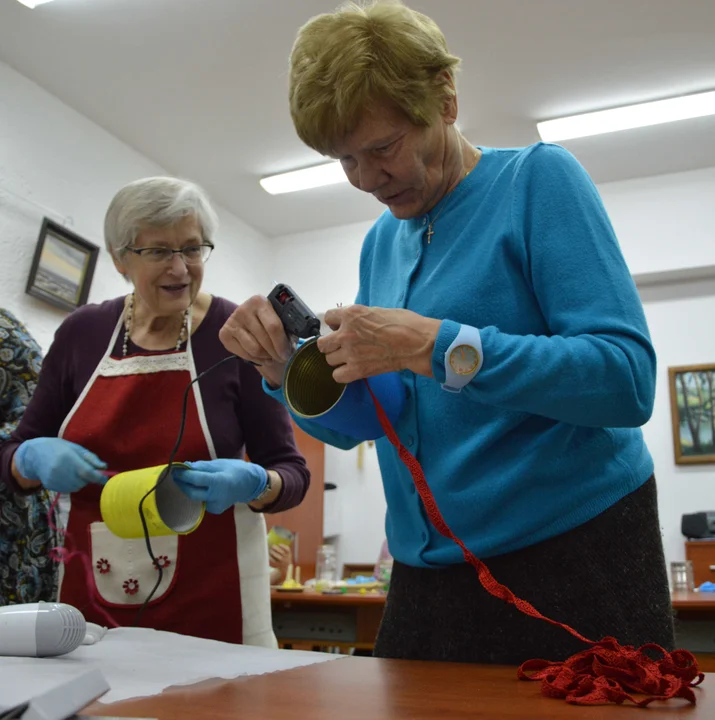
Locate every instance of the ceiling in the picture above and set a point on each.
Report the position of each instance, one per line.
(200, 86)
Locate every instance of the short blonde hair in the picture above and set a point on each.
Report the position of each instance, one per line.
(347, 61)
(155, 202)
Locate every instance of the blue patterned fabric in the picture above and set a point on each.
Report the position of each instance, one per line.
(27, 574)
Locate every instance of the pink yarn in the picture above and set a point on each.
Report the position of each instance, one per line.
(60, 554)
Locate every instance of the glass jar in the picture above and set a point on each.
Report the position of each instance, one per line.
(383, 571)
(326, 567)
(681, 575)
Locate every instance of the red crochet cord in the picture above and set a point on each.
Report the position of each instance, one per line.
(606, 672)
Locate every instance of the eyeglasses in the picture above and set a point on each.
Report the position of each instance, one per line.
(191, 254)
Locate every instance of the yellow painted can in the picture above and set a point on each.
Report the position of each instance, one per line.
(167, 511)
(278, 535)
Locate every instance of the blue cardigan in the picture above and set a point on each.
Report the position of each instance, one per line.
(545, 437)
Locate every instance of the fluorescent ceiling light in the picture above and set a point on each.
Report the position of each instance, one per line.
(628, 117)
(312, 177)
(33, 3)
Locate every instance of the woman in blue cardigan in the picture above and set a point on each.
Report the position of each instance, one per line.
(494, 284)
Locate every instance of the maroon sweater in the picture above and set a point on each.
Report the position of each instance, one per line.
(240, 416)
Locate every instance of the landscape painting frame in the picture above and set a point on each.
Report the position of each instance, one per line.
(692, 406)
(62, 267)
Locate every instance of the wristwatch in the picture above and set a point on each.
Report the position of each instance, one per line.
(463, 359)
(266, 490)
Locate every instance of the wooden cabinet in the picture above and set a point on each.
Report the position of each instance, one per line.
(307, 518)
(702, 554)
(308, 620)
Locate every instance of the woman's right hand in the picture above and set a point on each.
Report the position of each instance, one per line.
(59, 465)
(255, 333)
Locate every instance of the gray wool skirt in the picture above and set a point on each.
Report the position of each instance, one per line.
(604, 578)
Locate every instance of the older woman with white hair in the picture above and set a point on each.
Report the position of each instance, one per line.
(109, 399)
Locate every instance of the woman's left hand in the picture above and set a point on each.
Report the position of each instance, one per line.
(370, 341)
(221, 483)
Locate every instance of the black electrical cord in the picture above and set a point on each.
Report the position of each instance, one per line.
(162, 477)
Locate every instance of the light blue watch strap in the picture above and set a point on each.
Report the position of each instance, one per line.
(470, 336)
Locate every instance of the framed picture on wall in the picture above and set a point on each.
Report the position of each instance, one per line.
(62, 268)
(692, 406)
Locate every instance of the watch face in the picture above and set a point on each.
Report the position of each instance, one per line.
(464, 359)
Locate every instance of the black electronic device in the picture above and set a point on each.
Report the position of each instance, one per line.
(296, 316)
(699, 525)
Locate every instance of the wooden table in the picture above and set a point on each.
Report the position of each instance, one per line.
(361, 614)
(701, 602)
(371, 689)
(695, 625)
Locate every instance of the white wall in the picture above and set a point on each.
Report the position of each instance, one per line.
(680, 317)
(663, 223)
(57, 158)
(322, 267)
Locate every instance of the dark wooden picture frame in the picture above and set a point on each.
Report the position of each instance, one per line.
(62, 268)
(692, 409)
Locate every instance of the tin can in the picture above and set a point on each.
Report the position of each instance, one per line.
(167, 510)
(312, 393)
(278, 535)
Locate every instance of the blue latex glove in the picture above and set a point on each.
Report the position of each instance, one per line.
(60, 465)
(221, 483)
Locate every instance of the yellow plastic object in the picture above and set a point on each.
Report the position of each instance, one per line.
(290, 584)
(167, 510)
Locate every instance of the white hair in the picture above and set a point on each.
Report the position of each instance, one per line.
(155, 202)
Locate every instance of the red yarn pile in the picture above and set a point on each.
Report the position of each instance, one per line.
(607, 672)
